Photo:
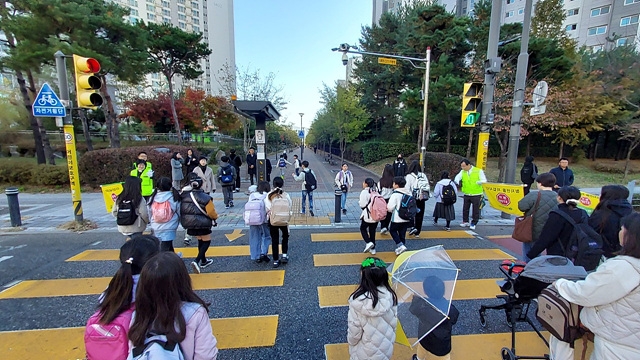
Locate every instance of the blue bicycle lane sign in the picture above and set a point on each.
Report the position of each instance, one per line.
(48, 104)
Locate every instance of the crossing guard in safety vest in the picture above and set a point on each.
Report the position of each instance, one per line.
(470, 179)
(144, 173)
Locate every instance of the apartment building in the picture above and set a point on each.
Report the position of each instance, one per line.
(382, 6)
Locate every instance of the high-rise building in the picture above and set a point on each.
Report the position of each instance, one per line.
(382, 6)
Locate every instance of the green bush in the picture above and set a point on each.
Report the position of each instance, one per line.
(27, 173)
(437, 162)
(15, 172)
(113, 165)
(50, 175)
(374, 151)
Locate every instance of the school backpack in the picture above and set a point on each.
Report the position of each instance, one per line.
(280, 212)
(449, 194)
(254, 213)
(226, 176)
(558, 316)
(282, 163)
(584, 247)
(161, 212)
(422, 190)
(109, 341)
(126, 213)
(377, 207)
(527, 174)
(408, 208)
(310, 182)
(156, 346)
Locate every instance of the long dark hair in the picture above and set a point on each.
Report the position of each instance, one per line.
(414, 167)
(133, 255)
(386, 181)
(631, 243)
(164, 284)
(278, 183)
(131, 191)
(175, 154)
(165, 184)
(264, 187)
(609, 194)
(373, 274)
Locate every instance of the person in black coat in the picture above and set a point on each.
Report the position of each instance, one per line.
(190, 161)
(236, 162)
(528, 173)
(400, 166)
(269, 168)
(564, 175)
(252, 161)
(557, 231)
(605, 219)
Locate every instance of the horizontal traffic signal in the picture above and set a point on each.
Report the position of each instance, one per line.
(87, 82)
(471, 104)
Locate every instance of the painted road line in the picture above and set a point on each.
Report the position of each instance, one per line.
(508, 236)
(68, 343)
(94, 286)
(455, 254)
(5, 258)
(472, 347)
(353, 236)
(188, 252)
(338, 295)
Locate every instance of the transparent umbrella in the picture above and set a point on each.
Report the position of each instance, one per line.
(424, 281)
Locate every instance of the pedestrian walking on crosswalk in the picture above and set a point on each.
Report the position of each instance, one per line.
(368, 224)
(164, 213)
(276, 205)
(445, 193)
(399, 225)
(256, 217)
(130, 209)
(385, 188)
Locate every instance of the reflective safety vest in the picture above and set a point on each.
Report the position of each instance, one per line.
(147, 182)
(470, 180)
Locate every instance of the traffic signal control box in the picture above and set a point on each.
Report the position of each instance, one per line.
(87, 82)
(471, 104)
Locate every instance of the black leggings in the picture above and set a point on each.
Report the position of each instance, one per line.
(368, 231)
(203, 246)
(166, 246)
(275, 240)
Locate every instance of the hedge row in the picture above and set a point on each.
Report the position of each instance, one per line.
(436, 163)
(375, 151)
(21, 173)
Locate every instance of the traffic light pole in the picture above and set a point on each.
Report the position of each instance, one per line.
(69, 137)
(423, 146)
(518, 97)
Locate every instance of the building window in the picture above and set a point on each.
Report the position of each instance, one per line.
(520, 11)
(180, 8)
(182, 25)
(629, 2)
(133, 20)
(571, 27)
(133, 3)
(195, 13)
(600, 11)
(167, 20)
(572, 12)
(181, 1)
(508, 14)
(598, 30)
(196, 28)
(151, 8)
(596, 48)
(133, 12)
(166, 4)
(182, 17)
(151, 17)
(195, 4)
(166, 12)
(625, 21)
(510, 1)
(622, 41)
(196, 21)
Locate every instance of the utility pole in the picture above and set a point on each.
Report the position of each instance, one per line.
(301, 139)
(423, 148)
(518, 97)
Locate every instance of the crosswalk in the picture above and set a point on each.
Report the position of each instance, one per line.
(251, 327)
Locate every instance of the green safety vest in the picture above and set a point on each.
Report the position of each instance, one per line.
(470, 182)
(147, 182)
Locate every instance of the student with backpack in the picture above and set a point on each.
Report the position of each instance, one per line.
(344, 182)
(282, 165)
(296, 164)
(130, 209)
(236, 161)
(606, 217)
(446, 194)
(309, 184)
(255, 215)
(402, 206)
(567, 232)
(374, 209)
(610, 298)
(171, 320)
(206, 174)
(105, 336)
(528, 174)
(278, 207)
(418, 183)
(538, 204)
(164, 209)
(197, 216)
(373, 314)
(226, 178)
(385, 188)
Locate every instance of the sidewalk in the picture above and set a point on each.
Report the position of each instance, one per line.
(45, 212)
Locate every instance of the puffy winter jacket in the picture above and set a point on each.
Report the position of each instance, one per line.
(611, 300)
(191, 217)
(372, 331)
(606, 221)
(548, 202)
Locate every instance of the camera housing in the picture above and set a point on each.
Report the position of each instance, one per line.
(345, 59)
(344, 47)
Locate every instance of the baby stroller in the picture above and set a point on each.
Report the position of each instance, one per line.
(523, 283)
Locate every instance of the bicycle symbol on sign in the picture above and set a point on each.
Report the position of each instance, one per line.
(47, 99)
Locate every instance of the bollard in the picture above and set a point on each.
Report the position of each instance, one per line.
(338, 212)
(14, 206)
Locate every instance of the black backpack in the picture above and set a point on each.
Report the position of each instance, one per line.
(449, 194)
(408, 208)
(126, 213)
(585, 244)
(310, 182)
(527, 174)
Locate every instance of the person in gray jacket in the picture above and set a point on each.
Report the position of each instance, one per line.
(176, 169)
(548, 202)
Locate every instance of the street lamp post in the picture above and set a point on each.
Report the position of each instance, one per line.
(302, 139)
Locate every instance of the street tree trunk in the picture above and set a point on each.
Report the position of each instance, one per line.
(174, 113)
(85, 129)
(632, 145)
(48, 153)
(37, 138)
(113, 131)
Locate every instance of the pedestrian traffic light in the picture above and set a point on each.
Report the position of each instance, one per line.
(87, 82)
(471, 104)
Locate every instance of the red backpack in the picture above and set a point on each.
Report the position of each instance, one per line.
(108, 342)
(377, 207)
(161, 212)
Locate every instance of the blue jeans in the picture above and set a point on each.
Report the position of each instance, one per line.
(526, 247)
(343, 200)
(304, 200)
(259, 240)
(266, 239)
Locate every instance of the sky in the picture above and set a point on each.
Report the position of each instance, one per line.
(293, 39)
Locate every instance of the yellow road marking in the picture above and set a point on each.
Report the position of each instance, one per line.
(235, 235)
(94, 286)
(454, 234)
(455, 254)
(507, 236)
(338, 295)
(188, 252)
(68, 343)
(474, 346)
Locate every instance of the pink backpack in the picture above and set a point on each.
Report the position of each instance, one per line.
(108, 342)
(161, 211)
(377, 207)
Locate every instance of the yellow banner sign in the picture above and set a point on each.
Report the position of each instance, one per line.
(588, 202)
(387, 61)
(110, 192)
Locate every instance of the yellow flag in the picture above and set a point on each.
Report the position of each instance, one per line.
(588, 202)
(504, 197)
(109, 193)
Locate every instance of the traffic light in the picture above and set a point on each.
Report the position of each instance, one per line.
(471, 104)
(87, 82)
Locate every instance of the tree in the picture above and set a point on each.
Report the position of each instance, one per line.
(175, 52)
(547, 22)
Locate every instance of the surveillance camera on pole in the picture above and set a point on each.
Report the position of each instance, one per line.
(345, 59)
(344, 47)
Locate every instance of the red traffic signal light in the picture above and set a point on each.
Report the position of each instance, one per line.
(87, 83)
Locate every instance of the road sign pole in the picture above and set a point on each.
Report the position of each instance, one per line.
(69, 138)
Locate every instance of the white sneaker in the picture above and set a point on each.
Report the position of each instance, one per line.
(472, 227)
(384, 231)
(464, 224)
(195, 267)
(372, 251)
(368, 246)
(400, 249)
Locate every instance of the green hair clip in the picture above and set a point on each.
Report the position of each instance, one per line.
(373, 262)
